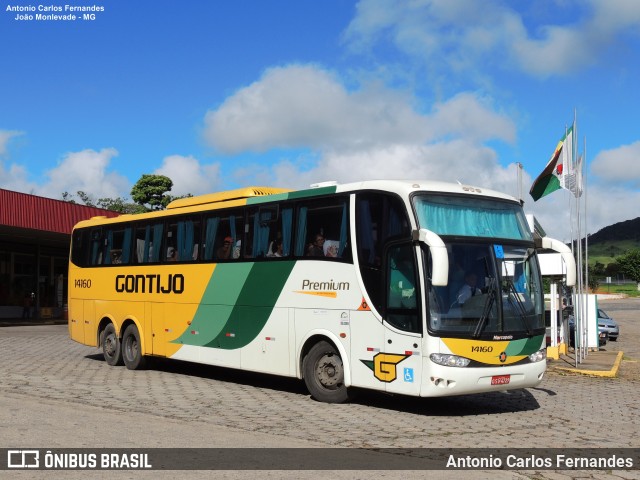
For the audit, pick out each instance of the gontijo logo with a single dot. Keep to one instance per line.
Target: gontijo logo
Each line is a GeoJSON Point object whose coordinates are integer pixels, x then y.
{"type": "Point", "coordinates": [151, 283]}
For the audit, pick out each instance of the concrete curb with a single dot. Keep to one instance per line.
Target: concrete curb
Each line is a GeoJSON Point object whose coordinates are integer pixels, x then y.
{"type": "Point", "coordinates": [612, 373]}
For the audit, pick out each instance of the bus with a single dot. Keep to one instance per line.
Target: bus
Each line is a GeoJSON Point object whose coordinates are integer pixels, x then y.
{"type": "Point", "coordinates": [360, 285]}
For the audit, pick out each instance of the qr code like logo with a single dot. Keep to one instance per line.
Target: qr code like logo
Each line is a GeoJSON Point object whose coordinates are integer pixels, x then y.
{"type": "Point", "coordinates": [23, 459]}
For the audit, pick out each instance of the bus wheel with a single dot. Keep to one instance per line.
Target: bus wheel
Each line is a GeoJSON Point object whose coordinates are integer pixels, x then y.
{"type": "Point", "coordinates": [111, 346]}
{"type": "Point", "coordinates": [132, 348]}
{"type": "Point", "coordinates": [324, 374]}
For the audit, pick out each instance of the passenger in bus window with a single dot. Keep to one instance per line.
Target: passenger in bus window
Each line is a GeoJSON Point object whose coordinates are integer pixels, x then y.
{"type": "Point", "coordinates": [172, 255]}
{"type": "Point", "coordinates": [273, 246]}
{"type": "Point", "coordinates": [224, 252]}
{"type": "Point", "coordinates": [276, 248]}
{"type": "Point", "coordinates": [331, 248]}
{"type": "Point", "coordinates": [235, 253]}
{"type": "Point", "coordinates": [315, 248]}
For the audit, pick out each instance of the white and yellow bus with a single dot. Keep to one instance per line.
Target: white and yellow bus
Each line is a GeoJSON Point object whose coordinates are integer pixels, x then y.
{"type": "Point", "coordinates": [358, 285]}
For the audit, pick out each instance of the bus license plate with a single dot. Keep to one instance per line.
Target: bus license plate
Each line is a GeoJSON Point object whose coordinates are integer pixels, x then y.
{"type": "Point", "coordinates": [500, 379]}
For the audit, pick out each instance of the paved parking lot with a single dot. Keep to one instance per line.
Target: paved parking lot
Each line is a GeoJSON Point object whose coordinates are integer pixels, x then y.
{"type": "Point", "coordinates": [186, 405]}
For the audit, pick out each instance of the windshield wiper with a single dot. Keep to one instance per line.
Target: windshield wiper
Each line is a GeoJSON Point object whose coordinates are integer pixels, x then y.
{"type": "Point", "coordinates": [521, 310]}
{"type": "Point", "coordinates": [486, 310]}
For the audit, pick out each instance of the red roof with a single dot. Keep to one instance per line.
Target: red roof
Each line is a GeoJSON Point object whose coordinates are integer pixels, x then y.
{"type": "Point", "coordinates": [39, 213]}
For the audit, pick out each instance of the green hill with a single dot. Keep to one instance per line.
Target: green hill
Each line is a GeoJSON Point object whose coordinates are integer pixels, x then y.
{"type": "Point", "coordinates": [613, 241]}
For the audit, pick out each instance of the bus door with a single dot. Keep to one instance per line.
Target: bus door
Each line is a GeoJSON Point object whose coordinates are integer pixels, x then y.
{"type": "Point", "coordinates": [401, 365]}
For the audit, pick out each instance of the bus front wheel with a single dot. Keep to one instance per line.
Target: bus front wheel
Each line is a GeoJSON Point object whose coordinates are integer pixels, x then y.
{"type": "Point", "coordinates": [324, 374]}
{"type": "Point", "coordinates": [111, 346]}
{"type": "Point", "coordinates": [132, 348]}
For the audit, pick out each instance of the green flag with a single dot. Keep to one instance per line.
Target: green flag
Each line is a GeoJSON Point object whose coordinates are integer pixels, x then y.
{"type": "Point", "coordinates": [552, 177]}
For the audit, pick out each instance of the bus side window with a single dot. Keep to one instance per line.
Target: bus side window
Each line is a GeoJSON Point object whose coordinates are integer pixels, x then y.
{"type": "Point", "coordinates": [222, 237]}
{"type": "Point", "coordinates": [261, 231]}
{"type": "Point", "coordinates": [402, 293]}
{"type": "Point", "coordinates": [210, 230]}
{"type": "Point", "coordinates": [97, 247]}
{"type": "Point", "coordinates": [322, 228]}
{"type": "Point", "coordinates": [147, 243]}
{"type": "Point", "coordinates": [182, 240]}
{"type": "Point", "coordinates": [117, 246]}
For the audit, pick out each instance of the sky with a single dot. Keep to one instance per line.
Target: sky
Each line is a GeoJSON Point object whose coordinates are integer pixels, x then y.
{"type": "Point", "coordinates": [225, 94]}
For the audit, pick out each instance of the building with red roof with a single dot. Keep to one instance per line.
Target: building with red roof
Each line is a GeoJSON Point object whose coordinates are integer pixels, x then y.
{"type": "Point", "coordinates": [35, 235]}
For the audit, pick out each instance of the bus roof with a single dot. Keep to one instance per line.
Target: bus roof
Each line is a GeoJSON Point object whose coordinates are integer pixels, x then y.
{"type": "Point", "coordinates": [217, 197]}
{"type": "Point", "coordinates": [258, 195]}
{"type": "Point", "coordinates": [406, 187]}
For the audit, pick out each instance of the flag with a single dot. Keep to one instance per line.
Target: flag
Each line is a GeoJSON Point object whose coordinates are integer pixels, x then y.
{"type": "Point", "coordinates": [573, 181]}
{"type": "Point", "coordinates": [554, 175]}
{"type": "Point", "coordinates": [568, 167]}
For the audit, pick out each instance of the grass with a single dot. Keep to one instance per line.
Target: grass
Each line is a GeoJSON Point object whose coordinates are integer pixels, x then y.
{"type": "Point", "coordinates": [629, 289]}
{"type": "Point", "coordinates": [606, 252]}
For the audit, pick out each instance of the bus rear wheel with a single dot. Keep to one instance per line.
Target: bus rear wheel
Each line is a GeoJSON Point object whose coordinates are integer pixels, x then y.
{"type": "Point", "coordinates": [323, 373]}
{"type": "Point", "coordinates": [111, 345]}
{"type": "Point", "coordinates": [132, 348]}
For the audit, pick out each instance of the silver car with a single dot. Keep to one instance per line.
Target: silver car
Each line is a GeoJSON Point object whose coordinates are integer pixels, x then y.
{"type": "Point", "coordinates": [608, 324]}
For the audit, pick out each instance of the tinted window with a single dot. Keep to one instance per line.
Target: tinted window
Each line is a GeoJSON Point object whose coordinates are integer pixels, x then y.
{"type": "Point", "coordinates": [380, 218]}
{"type": "Point", "coordinates": [322, 230]}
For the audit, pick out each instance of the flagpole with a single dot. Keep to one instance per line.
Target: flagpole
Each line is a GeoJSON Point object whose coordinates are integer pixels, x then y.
{"type": "Point", "coordinates": [519, 176]}
{"type": "Point", "coordinates": [584, 289]}
{"type": "Point", "coordinates": [586, 242]}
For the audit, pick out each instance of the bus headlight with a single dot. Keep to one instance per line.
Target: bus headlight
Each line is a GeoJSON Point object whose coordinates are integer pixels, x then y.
{"type": "Point", "coordinates": [449, 360]}
{"type": "Point", "coordinates": [538, 356]}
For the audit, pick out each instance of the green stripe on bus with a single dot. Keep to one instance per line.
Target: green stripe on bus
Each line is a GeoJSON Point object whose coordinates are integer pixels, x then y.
{"type": "Point", "coordinates": [278, 197]}
{"type": "Point", "coordinates": [216, 305]}
{"type": "Point", "coordinates": [255, 303]}
{"type": "Point", "coordinates": [313, 192]}
{"type": "Point", "coordinates": [525, 346]}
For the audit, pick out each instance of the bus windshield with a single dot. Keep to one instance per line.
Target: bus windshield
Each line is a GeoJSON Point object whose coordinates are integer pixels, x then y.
{"type": "Point", "coordinates": [493, 290]}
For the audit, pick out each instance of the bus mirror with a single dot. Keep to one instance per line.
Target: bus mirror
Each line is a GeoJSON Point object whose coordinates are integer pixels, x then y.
{"type": "Point", "coordinates": [567, 256]}
{"type": "Point", "coordinates": [439, 256]}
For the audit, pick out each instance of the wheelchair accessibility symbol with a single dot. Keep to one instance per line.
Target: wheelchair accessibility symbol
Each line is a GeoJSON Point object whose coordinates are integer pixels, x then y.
{"type": "Point", "coordinates": [408, 375]}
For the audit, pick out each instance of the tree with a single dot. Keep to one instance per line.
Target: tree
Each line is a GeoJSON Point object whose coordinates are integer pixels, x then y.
{"type": "Point", "coordinates": [84, 198]}
{"type": "Point", "coordinates": [118, 204]}
{"type": "Point", "coordinates": [149, 193]}
{"type": "Point", "coordinates": [152, 190]}
{"type": "Point", "coordinates": [594, 272]}
{"type": "Point", "coordinates": [630, 265]}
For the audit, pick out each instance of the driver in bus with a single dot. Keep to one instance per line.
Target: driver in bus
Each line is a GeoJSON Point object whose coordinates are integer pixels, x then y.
{"type": "Point", "coordinates": [469, 289]}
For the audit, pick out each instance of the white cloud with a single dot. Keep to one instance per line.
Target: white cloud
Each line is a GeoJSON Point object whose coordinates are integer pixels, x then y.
{"type": "Point", "coordinates": [13, 177]}
{"type": "Point", "coordinates": [305, 106]}
{"type": "Point", "coordinates": [189, 176]}
{"type": "Point", "coordinates": [620, 165]}
{"type": "Point", "coordinates": [466, 34]}
{"type": "Point", "coordinates": [16, 178]}
{"type": "Point", "coordinates": [5, 137]}
{"type": "Point", "coordinates": [369, 133]}
{"type": "Point", "coordinates": [468, 116]}
{"type": "Point", "coordinates": [87, 171]}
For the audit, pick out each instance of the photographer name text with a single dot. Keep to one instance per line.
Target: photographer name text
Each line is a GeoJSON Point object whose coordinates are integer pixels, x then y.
{"type": "Point", "coordinates": [54, 13]}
